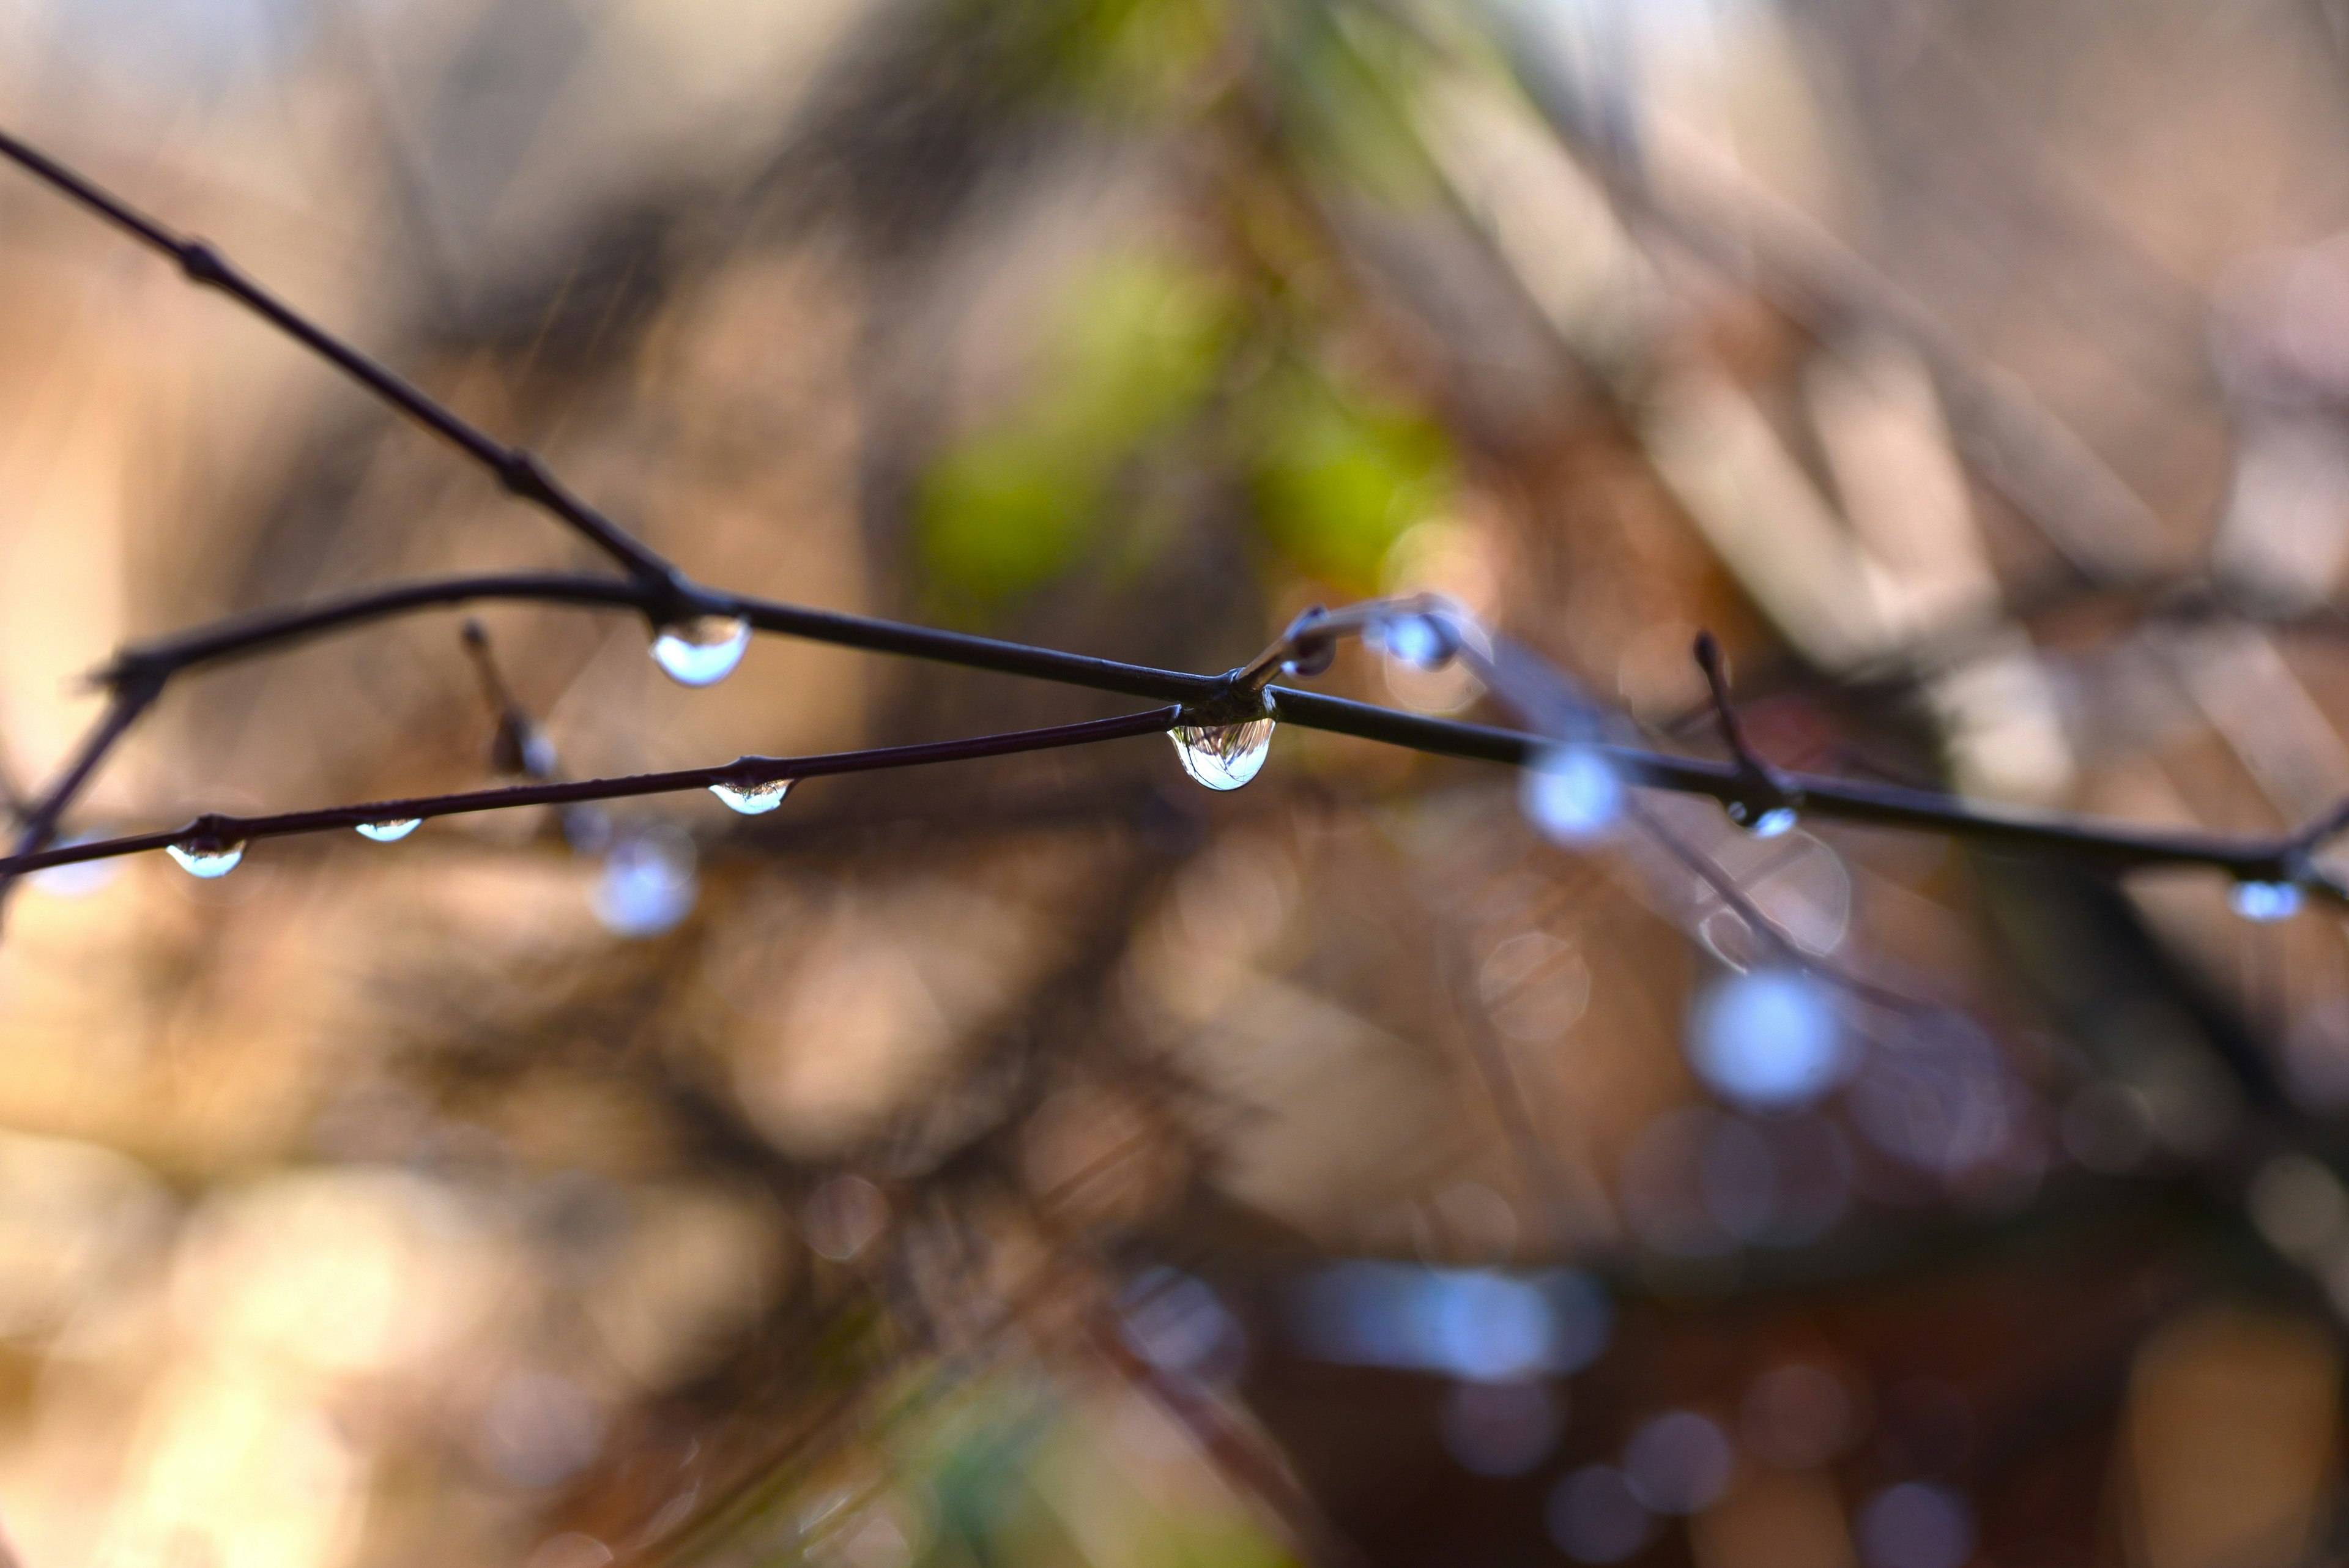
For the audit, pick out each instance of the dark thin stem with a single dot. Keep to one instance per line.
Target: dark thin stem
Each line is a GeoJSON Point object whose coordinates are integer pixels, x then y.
{"type": "Point", "coordinates": [217, 831]}
{"type": "Point", "coordinates": [515, 469]}
{"type": "Point", "coordinates": [1766, 789]}
{"type": "Point", "coordinates": [1724, 713]}
{"type": "Point", "coordinates": [40, 821]}
{"type": "Point", "coordinates": [251, 634]}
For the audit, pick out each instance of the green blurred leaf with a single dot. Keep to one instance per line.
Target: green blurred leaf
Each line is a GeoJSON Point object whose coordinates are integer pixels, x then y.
{"type": "Point", "coordinates": [1019, 502]}
{"type": "Point", "coordinates": [1337, 481]}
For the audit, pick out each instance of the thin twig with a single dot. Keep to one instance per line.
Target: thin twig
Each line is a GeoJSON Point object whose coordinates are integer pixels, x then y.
{"type": "Point", "coordinates": [213, 830]}
{"type": "Point", "coordinates": [1766, 789]}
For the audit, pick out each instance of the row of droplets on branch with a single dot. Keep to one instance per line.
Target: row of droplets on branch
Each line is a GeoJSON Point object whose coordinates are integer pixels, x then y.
{"type": "Point", "coordinates": [1573, 788]}
{"type": "Point", "coordinates": [1576, 760]}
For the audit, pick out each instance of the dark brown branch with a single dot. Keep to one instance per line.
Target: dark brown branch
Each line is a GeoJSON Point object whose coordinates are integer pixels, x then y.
{"type": "Point", "coordinates": [245, 635]}
{"type": "Point", "coordinates": [213, 830]}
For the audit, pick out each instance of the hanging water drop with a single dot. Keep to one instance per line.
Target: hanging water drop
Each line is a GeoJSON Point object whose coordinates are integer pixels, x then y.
{"type": "Point", "coordinates": [1771, 822]}
{"type": "Point", "coordinates": [1420, 641]}
{"type": "Point", "coordinates": [206, 859]}
{"type": "Point", "coordinates": [1572, 793]}
{"type": "Point", "coordinates": [1223, 756]}
{"type": "Point", "coordinates": [702, 651]}
{"type": "Point", "coordinates": [2266, 900]}
{"type": "Point", "coordinates": [753, 800]}
{"type": "Point", "coordinates": [390, 831]}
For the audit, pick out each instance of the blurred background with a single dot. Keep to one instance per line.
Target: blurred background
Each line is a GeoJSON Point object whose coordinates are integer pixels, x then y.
{"type": "Point", "coordinates": [1048, 1161]}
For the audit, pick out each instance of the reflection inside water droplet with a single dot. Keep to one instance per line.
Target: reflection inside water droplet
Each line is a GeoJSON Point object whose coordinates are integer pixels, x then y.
{"type": "Point", "coordinates": [2266, 900]}
{"type": "Point", "coordinates": [1223, 756]}
{"type": "Point", "coordinates": [206, 859]}
{"type": "Point", "coordinates": [753, 800]}
{"type": "Point", "coordinates": [702, 651]}
{"type": "Point", "coordinates": [391, 831]}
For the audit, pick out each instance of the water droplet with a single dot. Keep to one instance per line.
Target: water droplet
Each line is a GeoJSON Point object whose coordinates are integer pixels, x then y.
{"type": "Point", "coordinates": [1223, 756]}
{"type": "Point", "coordinates": [1419, 640]}
{"type": "Point", "coordinates": [753, 800]}
{"type": "Point", "coordinates": [1572, 793]}
{"type": "Point", "coordinates": [1770, 823]}
{"type": "Point", "coordinates": [702, 651]}
{"type": "Point", "coordinates": [647, 885]}
{"type": "Point", "coordinates": [2266, 900]}
{"type": "Point", "coordinates": [390, 832]}
{"type": "Point", "coordinates": [206, 859]}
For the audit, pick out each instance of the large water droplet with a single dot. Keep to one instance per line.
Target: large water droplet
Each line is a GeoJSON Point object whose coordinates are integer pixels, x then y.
{"type": "Point", "coordinates": [206, 859]}
{"type": "Point", "coordinates": [2266, 900]}
{"type": "Point", "coordinates": [702, 651]}
{"type": "Point", "coordinates": [1572, 793]}
{"type": "Point", "coordinates": [392, 831]}
{"type": "Point", "coordinates": [1223, 756]}
{"type": "Point", "coordinates": [647, 885]}
{"type": "Point", "coordinates": [753, 800]}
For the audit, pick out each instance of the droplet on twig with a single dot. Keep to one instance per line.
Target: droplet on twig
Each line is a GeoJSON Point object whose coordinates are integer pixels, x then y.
{"type": "Point", "coordinates": [753, 800]}
{"type": "Point", "coordinates": [1770, 822]}
{"type": "Point", "coordinates": [390, 831]}
{"type": "Point", "coordinates": [1422, 641]}
{"type": "Point", "coordinates": [702, 652]}
{"type": "Point", "coordinates": [1572, 793]}
{"type": "Point", "coordinates": [205, 859]}
{"type": "Point", "coordinates": [2266, 900]}
{"type": "Point", "coordinates": [1223, 756]}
